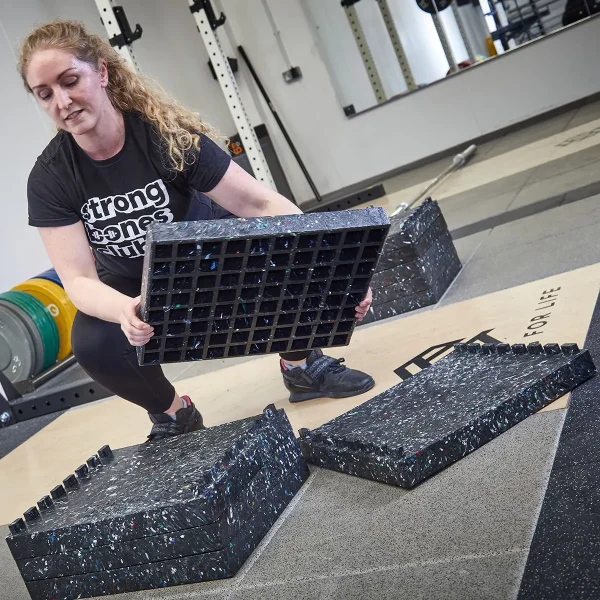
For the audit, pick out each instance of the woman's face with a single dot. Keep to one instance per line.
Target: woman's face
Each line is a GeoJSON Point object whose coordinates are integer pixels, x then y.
{"type": "Point", "coordinates": [69, 90]}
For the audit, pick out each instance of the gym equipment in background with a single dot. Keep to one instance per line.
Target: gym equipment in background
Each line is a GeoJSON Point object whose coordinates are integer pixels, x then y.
{"type": "Point", "coordinates": [54, 298]}
{"type": "Point", "coordinates": [207, 23]}
{"type": "Point", "coordinates": [228, 288]}
{"type": "Point", "coordinates": [435, 418]}
{"type": "Point", "coordinates": [46, 329]}
{"type": "Point", "coordinates": [38, 372]}
{"type": "Point", "coordinates": [113, 526]}
{"type": "Point", "coordinates": [120, 35]}
{"type": "Point", "coordinates": [50, 275]}
{"type": "Point", "coordinates": [459, 161]}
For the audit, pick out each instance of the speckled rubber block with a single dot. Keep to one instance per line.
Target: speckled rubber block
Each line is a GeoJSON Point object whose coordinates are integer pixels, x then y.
{"type": "Point", "coordinates": [408, 302]}
{"type": "Point", "coordinates": [168, 546]}
{"type": "Point", "coordinates": [407, 228]}
{"type": "Point", "coordinates": [409, 253]}
{"type": "Point", "coordinates": [189, 569]}
{"type": "Point", "coordinates": [118, 497]}
{"type": "Point", "coordinates": [434, 418]}
{"type": "Point", "coordinates": [420, 274]}
{"type": "Point", "coordinates": [236, 287]}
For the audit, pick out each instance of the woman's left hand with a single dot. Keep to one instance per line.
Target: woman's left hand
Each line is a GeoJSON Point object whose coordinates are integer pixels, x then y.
{"type": "Point", "coordinates": [363, 308]}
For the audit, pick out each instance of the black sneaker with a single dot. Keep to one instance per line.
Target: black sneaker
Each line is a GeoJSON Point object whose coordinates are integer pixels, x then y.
{"type": "Point", "coordinates": [187, 420]}
{"type": "Point", "coordinates": [324, 377]}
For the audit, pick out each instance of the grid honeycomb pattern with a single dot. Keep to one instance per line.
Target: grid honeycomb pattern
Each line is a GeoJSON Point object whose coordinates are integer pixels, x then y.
{"type": "Point", "coordinates": [257, 295]}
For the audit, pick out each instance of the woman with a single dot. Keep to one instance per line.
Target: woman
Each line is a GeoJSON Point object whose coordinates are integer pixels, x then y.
{"type": "Point", "coordinates": [126, 155]}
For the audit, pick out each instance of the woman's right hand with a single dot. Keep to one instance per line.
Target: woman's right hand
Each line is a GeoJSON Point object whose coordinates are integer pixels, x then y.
{"type": "Point", "coordinates": [137, 332]}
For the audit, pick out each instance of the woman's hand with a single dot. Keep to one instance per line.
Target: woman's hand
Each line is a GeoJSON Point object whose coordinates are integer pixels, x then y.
{"type": "Point", "coordinates": [137, 332]}
{"type": "Point", "coordinates": [363, 308]}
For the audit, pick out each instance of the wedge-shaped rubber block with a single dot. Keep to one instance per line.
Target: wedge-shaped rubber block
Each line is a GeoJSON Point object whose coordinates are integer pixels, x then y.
{"type": "Point", "coordinates": [422, 273]}
{"type": "Point", "coordinates": [138, 492]}
{"type": "Point", "coordinates": [235, 287]}
{"type": "Point", "coordinates": [393, 256]}
{"type": "Point", "coordinates": [408, 302]}
{"type": "Point", "coordinates": [194, 568]}
{"type": "Point", "coordinates": [171, 545]}
{"type": "Point", "coordinates": [434, 418]}
{"type": "Point", "coordinates": [407, 228]}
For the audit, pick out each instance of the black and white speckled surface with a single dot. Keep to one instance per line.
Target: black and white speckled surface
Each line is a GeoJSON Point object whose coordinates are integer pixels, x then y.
{"type": "Point", "coordinates": [446, 411]}
{"type": "Point", "coordinates": [563, 560]}
{"type": "Point", "coordinates": [426, 297]}
{"type": "Point", "coordinates": [188, 569]}
{"type": "Point", "coordinates": [393, 257]}
{"type": "Point", "coordinates": [429, 268]}
{"type": "Point", "coordinates": [200, 475]}
{"type": "Point", "coordinates": [407, 227]}
{"type": "Point", "coordinates": [171, 545]}
{"type": "Point", "coordinates": [238, 287]}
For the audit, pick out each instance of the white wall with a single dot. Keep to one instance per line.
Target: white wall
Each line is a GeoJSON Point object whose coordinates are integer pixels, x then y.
{"type": "Point", "coordinates": [25, 132]}
{"type": "Point", "coordinates": [171, 52]}
{"type": "Point", "coordinates": [338, 151]}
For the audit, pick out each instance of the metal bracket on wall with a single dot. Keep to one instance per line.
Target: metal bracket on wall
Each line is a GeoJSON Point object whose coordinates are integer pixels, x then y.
{"type": "Point", "coordinates": [463, 33]}
{"type": "Point", "coordinates": [119, 32]}
{"type": "Point", "coordinates": [206, 27]}
{"type": "Point", "coordinates": [365, 51]}
{"type": "Point", "coordinates": [397, 44]}
{"type": "Point", "coordinates": [445, 43]}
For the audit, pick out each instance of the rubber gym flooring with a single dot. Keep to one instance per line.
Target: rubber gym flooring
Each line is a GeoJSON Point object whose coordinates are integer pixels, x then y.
{"type": "Point", "coordinates": [525, 217]}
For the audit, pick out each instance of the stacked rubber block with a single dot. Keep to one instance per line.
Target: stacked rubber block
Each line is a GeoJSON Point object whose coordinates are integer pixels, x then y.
{"type": "Point", "coordinates": [36, 319]}
{"type": "Point", "coordinates": [185, 510]}
{"type": "Point", "coordinates": [434, 418]}
{"type": "Point", "coordinates": [417, 265]}
{"type": "Point", "coordinates": [237, 287]}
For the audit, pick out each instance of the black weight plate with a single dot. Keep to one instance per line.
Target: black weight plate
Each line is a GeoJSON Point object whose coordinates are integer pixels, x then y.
{"type": "Point", "coordinates": [429, 6]}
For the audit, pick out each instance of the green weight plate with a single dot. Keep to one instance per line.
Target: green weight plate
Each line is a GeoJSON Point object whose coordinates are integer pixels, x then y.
{"type": "Point", "coordinates": [38, 343]}
{"type": "Point", "coordinates": [16, 347]}
{"type": "Point", "coordinates": [43, 320]}
{"type": "Point", "coordinates": [49, 330]}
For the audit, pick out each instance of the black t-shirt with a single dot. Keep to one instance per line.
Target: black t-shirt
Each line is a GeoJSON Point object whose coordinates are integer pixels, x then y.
{"type": "Point", "coordinates": [118, 198]}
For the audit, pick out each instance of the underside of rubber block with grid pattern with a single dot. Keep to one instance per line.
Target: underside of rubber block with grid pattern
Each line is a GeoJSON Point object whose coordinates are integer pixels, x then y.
{"type": "Point", "coordinates": [236, 287]}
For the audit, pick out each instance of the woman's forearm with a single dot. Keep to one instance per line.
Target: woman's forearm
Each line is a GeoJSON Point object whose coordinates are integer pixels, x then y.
{"type": "Point", "coordinates": [275, 204]}
{"type": "Point", "coordinates": [96, 299]}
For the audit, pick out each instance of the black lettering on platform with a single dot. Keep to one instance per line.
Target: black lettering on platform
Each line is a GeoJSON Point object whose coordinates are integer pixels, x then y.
{"type": "Point", "coordinates": [538, 322]}
{"type": "Point", "coordinates": [426, 358]}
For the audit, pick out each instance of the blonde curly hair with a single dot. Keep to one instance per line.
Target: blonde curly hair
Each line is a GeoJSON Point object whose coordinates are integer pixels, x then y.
{"type": "Point", "coordinates": [127, 90]}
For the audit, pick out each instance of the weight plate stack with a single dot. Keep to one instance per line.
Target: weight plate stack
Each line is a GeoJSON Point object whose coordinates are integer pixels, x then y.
{"type": "Point", "coordinates": [38, 344]}
{"type": "Point", "coordinates": [50, 275]}
{"type": "Point", "coordinates": [17, 349]}
{"type": "Point", "coordinates": [43, 320]}
{"type": "Point", "coordinates": [55, 299]}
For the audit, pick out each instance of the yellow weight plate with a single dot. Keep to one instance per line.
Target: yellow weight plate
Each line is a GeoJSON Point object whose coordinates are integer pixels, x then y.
{"type": "Point", "coordinates": [54, 298]}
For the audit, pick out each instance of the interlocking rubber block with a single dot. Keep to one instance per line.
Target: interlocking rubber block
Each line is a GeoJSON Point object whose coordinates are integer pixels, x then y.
{"type": "Point", "coordinates": [235, 287]}
{"type": "Point", "coordinates": [418, 275]}
{"type": "Point", "coordinates": [393, 256]}
{"type": "Point", "coordinates": [127, 518]}
{"type": "Point", "coordinates": [188, 569]}
{"type": "Point", "coordinates": [408, 302]}
{"type": "Point", "coordinates": [406, 228]}
{"type": "Point", "coordinates": [446, 411]}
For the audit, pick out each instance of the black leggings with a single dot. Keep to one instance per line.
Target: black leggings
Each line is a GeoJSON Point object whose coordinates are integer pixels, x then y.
{"type": "Point", "coordinates": [104, 353]}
